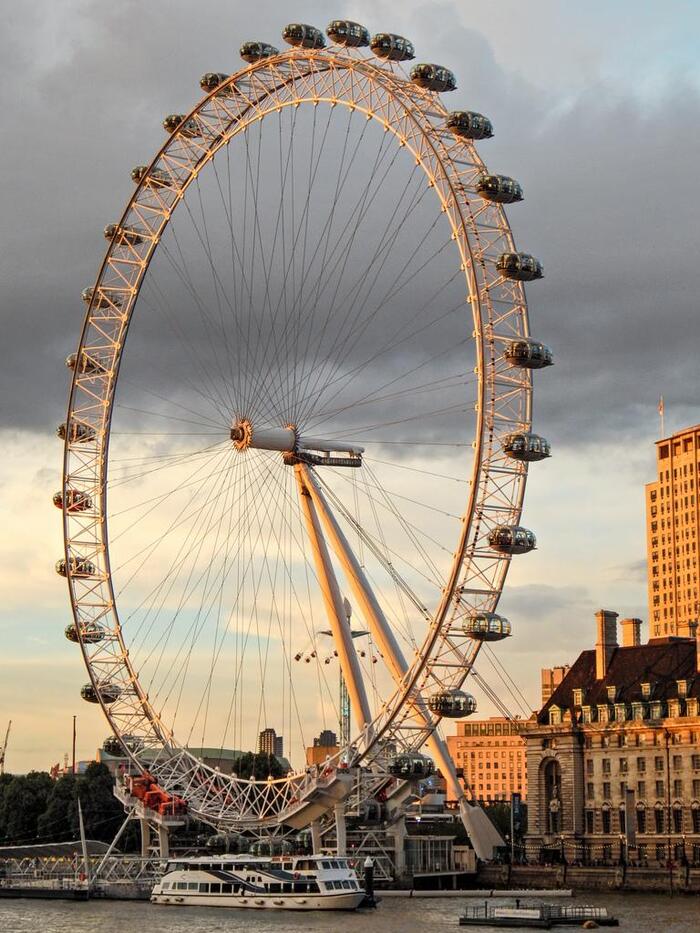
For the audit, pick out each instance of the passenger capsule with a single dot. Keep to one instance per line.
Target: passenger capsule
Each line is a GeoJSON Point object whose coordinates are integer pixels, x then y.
{"type": "Point", "coordinates": [257, 51]}
{"type": "Point", "coordinates": [125, 234]}
{"type": "Point", "coordinates": [102, 300]}
{"type": "Point", "coordinates": [77, 567]}
{"type": "Point", "coordinates": [469, 125]}
{"type": "Point", "coordinates": [345, 32]}
{"type": "Point", "coordinates": [487, 626]}
{"type": "Point", "coordinates": [528, 354]}
{"type": "Point", "coordinates": [522, 267]}
{"type": "Point", "coordinates": [79, 433]}
{"type": "Point", "coordinates": [411, 766]}
{"type": "Point", "coordinates": [177, 123]}
{"type": "Point", "coordinates": [452, 704]}
{"type": "Point", "coordinates": [303, 36]}
{"type": "Point", "coordinates": [106, 692]}
{"type": "Point", "coordinates": [90, 633]}
{"type": "Point", "coordinates": [499, 188]}
{"type": "Point", "coordinates": [113, 747]}
{"type": "Point", "coordinates": [526, 447]}
{"type": "Point", "coordinates": [75, 501]}
{"type": "Point", "coordinates": [433, 78]}
{"type": "Point", "coordinates": [392, 47]}
{"type": "Point", "coordinates": [212, 79]}
{"type": "Point", "coordinates": [512, 539]}
{"type": "Point", "coordinates": [157, 178]}
{"type": "Point", "coordinates": [88, 365]}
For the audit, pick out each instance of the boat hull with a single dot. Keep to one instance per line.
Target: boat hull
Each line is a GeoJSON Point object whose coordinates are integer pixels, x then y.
{"type": "Point", "coordinates": [344, 901]}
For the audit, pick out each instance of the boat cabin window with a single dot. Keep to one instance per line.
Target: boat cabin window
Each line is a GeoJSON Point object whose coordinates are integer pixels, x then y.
{"type": "Point", "coordinates": [215, 888]}
{"type": "Point", "coordinates": [203, 887]}
{"type": "Point", "coordinates": [192, 885]}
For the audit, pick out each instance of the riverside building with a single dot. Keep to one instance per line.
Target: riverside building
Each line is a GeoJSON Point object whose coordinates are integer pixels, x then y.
{"type": "Point", "coordinates": [490, 753]}
{"type": "Point", "coordinates": [673, 533]}
{"type": "Point", "coordinates": [613, 758]}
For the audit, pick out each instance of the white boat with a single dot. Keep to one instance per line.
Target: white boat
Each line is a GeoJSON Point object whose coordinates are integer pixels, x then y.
{"type": "Point", "coordinates": [287, 882]}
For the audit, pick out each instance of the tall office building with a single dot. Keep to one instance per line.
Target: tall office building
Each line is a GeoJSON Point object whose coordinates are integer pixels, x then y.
{"type": "Point", "coordinates": [491, 755]}
{"type": "Point", "coordinates": [269, 743]}
{"type": "Point", "coordinates": [673, 526]}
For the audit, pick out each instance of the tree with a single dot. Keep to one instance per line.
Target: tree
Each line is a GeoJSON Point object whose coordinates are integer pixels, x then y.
{"type": "Point", "coordinates": [102, 812]}
{"type": "Point", "coordinates": [59, 821]}
{"type": "Point", "coordinates": [23, 801]}
{"type": "Point", "coordinates": [259, 766]}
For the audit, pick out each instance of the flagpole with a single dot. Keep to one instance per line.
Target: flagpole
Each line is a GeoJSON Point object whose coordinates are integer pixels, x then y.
{"type": "Point", "coordinates": [661, 415]}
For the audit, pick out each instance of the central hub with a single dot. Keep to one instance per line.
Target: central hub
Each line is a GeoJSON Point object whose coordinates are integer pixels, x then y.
{"type": "Point", "coordinates": [293, 446]}
{"type": "Point", "coordinates": [244, 436]}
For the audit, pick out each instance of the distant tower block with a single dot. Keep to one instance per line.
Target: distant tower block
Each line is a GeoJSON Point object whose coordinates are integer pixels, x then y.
{"type": "Point", "coordinates": [673, 520]}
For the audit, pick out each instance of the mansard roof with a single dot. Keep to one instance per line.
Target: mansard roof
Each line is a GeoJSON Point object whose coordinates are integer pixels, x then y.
{"type": "Point", "coordinates": [661, 662]}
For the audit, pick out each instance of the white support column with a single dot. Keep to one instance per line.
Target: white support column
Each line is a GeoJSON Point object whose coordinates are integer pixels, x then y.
{"type": "Point", "coordinates": [335, 610]}
{"type": "Point", "coordinates": [375, 618]}
{"type": "Point", "coordinates": [164, 841]}
{"type": "Point", "coordinates": [316, 837]}
{"type": "Point", "coordinates": [145, 837]}
{"type": "Point", "coordinates": [341, 848]}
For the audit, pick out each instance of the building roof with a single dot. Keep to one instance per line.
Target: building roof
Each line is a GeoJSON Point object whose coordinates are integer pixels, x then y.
{"type": "Point", "coordinates": [661, 663]}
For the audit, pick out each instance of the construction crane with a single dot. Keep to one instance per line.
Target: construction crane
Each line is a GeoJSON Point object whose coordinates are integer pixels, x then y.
{"type": "Point", "coordinates": [3, 748]}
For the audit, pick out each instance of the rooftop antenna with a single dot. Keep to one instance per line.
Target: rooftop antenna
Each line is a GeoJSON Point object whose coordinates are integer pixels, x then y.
{"type": "Point", "coordinates": [661, 415]}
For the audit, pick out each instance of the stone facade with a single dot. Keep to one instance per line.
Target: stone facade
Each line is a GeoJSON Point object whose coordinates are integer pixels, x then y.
{"type": "Point", "coordinates": [613, 757]}
{"type": "Point", "coordinates": [490, 754]}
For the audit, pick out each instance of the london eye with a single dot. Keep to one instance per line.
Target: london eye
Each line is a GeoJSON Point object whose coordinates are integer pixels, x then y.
{"type": "Point", "coordinates": [303, 384]}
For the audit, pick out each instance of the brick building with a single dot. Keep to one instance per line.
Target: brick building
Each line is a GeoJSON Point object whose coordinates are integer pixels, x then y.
{"type": "Point", "coordinates": [491, 755]}
{"type": "Point", "coordinates": [613, 758]}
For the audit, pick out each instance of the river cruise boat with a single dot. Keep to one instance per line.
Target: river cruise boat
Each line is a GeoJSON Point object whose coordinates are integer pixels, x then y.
{"type": "Point", "coordinates": [287, 882]}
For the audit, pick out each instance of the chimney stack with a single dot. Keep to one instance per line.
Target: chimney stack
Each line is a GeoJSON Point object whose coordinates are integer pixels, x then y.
{"type": "Point", "coordinates": [607, 641]}
{"type": "Point", "coordinates": [631, 632]}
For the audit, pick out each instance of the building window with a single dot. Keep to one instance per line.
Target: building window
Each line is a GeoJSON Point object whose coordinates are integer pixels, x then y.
{"type": "Point", "coordinates": [623, 766]}
{"type": "Point", "coordinates": [606, 766]}
{"type": "Point", "coordinates": [659, 820]}
{"type": "Point", "coordinates": [605, 813]}
{"type": "Point", "coordinates": [641, 820]}
{"type": "Point", "coordinates": [659, 788]}
{"type": "Point", "coordinates": [612, 693]}
{"type": "Point", "coordinates": [646, 690]}
{"type": "Point", "coordinates": [658, 762]}
{"type": "Point", "coordinates": [606, 790]}
{"type": "Point", "coordinates": [578, 696]}
{"type": "Point", "coordinates": [677, 762]}
{"type": "Point", "coordinates": [589, 766]}
{"type": "Point", "coordinates": [695, 813]}
{"type": "Point", "coordinates": [677, 819]}
{"type": "Point", "coordinates": [678, 788]}
{"type": "Point", "coordinates": [589, 821]}
{"type": "Point", "coordinates": [590, 791]}
{"type": "Point", "coordinates": [641, 764]}
{"type": "Point", "coordinates": [641, 788]}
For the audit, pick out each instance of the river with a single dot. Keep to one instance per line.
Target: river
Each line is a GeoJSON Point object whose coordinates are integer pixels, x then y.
{"type": "Point", "coordinates": [638, 913]}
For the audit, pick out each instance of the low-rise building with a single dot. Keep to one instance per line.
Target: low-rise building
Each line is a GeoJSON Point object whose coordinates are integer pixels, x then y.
{"type": "Point", "coordinates": [490, 754]}
{"type": "Point", "coordinates": [613, 757]}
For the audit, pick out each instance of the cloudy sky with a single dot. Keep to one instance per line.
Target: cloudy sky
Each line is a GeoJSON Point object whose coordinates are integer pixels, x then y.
{"type": "Point", "coordinates": [596, 108]}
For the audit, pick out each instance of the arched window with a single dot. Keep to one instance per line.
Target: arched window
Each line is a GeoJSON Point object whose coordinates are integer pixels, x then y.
{"type": "Point", "coordinates": [551, 773]}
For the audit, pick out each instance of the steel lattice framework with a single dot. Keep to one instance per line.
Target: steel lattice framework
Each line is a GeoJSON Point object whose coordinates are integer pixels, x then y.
{"type": "Point", "coordinates": [416, 119]}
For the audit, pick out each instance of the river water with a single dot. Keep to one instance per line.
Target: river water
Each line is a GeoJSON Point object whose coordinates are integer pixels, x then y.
{"type": "Point", "coordinates": [638, 913]}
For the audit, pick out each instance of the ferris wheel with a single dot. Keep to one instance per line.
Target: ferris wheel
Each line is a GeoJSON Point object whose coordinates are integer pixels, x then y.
{"type": "Point", "coordinates": [324, 406]}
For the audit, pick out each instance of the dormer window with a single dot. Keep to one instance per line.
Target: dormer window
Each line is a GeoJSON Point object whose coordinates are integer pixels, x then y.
{"type": "Point", "coordinates": [682, 688]}
{"type": "Point", "coordinates": [578, 696]}
{"type": "Point", "coordinates": [554, 716]}
{"type": "Point", "coordinates": [646, 690]}
{"type": "Point", "coordinates": [612, 693]}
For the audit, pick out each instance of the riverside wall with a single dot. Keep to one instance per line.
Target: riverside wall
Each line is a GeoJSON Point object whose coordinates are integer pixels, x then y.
{"type": "Point", "coordinates": [677, 879]}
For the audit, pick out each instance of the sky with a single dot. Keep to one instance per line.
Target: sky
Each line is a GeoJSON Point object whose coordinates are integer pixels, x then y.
{"type": "Point", "coordinates": [596, 108]}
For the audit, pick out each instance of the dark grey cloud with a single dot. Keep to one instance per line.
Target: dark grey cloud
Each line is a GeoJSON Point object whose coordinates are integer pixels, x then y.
{"type": "Point", "coordinates": [611, 203]}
